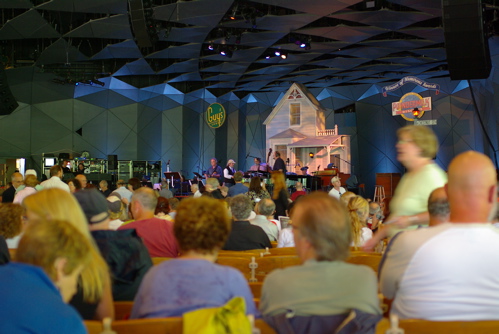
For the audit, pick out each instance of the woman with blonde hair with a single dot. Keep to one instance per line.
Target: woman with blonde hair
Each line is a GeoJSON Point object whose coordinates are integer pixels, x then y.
{"type": "Point", "coordinates": [93, 299]}
{"type": "Point", "coordinates": [358, 210]}
{"type": "Point", "coordinates": [280, 194]}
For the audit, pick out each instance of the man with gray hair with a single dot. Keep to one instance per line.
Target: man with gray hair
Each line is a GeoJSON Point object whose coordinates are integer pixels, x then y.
{"type": "Point", "coordinates": [211, 188]}
{"type": "Point", "coordinates": [156, 233]}
{"type": "Point", "coordinates": [264, 213]}
{"type": "Point", "coordinates": [9, 194]}
{"type": "Point", "coordinates": [243, 235]}
{"type": "Point", "coordinates": [325, 285]}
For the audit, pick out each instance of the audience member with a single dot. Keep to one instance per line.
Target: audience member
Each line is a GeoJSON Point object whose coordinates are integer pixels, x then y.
{"type": "Point", "coordinates": [49, 260]}
{"type": "Point", "coordinates": [55, 180]}
{"type": "Point", "coordinates": [163, 209]}
{"type": "Point", "coordinates": [9, 194]}
{"type": "Point", "coordinates": [224, 190]}
{"type": "Point", "coordinates": [83, 180]}
{"type": "Point", "coordinates": [243, 235]}
{"type": "Point", "coordinates": [286, 238]}
{"type": "Point", "coordinates": [375, 216]}
{"type": "Point", "coordinates": [104, 188]}
{"type": "Point", "coordinates": [124, 252]}
{"type": "Point", "coordinates": [438, 207]}
{"type": "Point", "coordinates": [165, 192]}
{"type": "Point", "coordinates": [11, 224]}
{"type": "Point", "coordinates": [74, 185]}
{"type": "Point", "coordinates": [325, 285]}
{"type": "Point", "coordinates": [174, 202]}
{"type": "Point", "coordinates": [239, 187]}
{"type": "Point", "coordinates": [177, 286]}
{"type": "Point", "coordinates": [358, 209]}
{"type": "Point", "coordinates": [30, 182]}
{"type": "Point", "coordinates": [156, 233]}
{"type": "Point", "coordinates": [195, 190]}
{"type": "Point", "coordinates": [212, 190]}
{"type": "Point", "coordinates": [337, 189]}
{"type": "Point", "coordinates": [126, 195]}
{"type": "Point", "coordinates": [116, 209]}
{"type": "Point", "coordinates": [280, 194]}
{"type": "Point", "coordinates": [448, 272]}
{"type": "Point", "coordinates": [264, 213]}
{"type": "Point", "coordinates": [256, 192]}
{"type": "Point", "coordinates": [299, 191]}
{"type": "Point", "coordinates": [93, 299]}
{"type": "Point", "coordinates": [134, 183]}
{"type": "Point", "coordinates": [345, 198]}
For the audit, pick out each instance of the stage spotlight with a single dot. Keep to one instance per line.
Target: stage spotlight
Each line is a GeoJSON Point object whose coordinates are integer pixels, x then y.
{"type": "Point", "coordinates": [267, 56]}
{"type": "Point", "coordinates": [211, 47]}
{"type": "Point", "coordinates": [415, 112]}
{"type": "Point", "coordinates": [277, 53]}
{"type": "Point", "coordinates": [311, 155]}
{"type": "Point", "coordinates": [284, 55]}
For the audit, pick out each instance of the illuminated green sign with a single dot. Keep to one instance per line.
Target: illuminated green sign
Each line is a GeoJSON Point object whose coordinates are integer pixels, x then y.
{"type": "Point", "coordinates": [215, 115]}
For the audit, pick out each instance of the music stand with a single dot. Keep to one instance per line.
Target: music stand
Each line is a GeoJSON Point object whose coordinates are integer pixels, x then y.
{"type": "Point", "coordinates": [172, 176]}
{"type": "Point", "coordinates": [199, 176]}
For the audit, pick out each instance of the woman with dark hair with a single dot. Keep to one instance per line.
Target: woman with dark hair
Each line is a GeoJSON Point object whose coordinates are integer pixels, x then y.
{"type": "Point", "coordinates": [256, 192]}
{"type": "Point", "coordinates": [174, 287]}
{"type": "Point", "coordinates": [163, 209]}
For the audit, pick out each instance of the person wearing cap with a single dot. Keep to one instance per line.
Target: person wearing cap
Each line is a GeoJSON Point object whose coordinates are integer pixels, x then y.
{"type": "Point", "coordinates": [116, 210]}
{"type": "Point", "coordinates": [337, 189]}
{"type": "Point", "coordinates": [123, 250]}
{"type": "Point", "coordinates": [229, 173]}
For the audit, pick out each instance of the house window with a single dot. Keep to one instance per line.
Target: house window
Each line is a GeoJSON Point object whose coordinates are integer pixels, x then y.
{"type": "Point", "coordinates": [294, 114]}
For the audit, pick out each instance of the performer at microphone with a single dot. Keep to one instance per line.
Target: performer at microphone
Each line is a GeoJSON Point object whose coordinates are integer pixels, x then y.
{"type": "Point", "coordinates": [259, 166]}
{"type": "Point", "coordinates": [279, 163]}
{"type": "Point", "coordinates": [214, 171]}
{"type": "Point", "coordinates": [229, 173]}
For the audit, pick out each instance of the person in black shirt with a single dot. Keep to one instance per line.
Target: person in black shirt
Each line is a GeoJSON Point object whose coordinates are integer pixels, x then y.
{"type": "Point", "coordinates": [279, 163]}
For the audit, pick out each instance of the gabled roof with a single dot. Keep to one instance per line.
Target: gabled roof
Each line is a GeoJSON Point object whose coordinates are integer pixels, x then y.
{"type": "Point", "coordinates": [296, 91]}
{"type": "Point", "coordinates": [316, 141]}
{"type": "Point", "coordinates": [289, 133]}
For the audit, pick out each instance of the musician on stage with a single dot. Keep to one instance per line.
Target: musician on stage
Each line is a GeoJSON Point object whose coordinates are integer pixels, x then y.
{"type": "Point", "coordinates": [259, 166]}
{"type": "Point", "coordinates": [229, 172]}
{"type": "Point", "coordinates": [279, 163]}
{"type": "Point", "coordinates": [214, 171]}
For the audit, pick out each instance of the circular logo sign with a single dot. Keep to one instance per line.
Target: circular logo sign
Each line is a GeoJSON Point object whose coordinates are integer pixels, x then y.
{"type": "Point", "coordinates": [215, 115]}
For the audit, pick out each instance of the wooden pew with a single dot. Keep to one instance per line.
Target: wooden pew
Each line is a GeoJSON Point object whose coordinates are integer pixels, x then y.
{"type": "Point", "coordinates": [122, 310]}
{"type": "Point", "coordinates": [155, 326]}
{"type": "Point", "coordinates": [417, 326]}
{"type": "Point", "coordinates": [369, 259]}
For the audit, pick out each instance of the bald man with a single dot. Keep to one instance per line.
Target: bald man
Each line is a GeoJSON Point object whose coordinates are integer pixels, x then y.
{"type": "Point", "coordinates": [83, 180]}
{"type": "Point", "coordinates": [450, 271]}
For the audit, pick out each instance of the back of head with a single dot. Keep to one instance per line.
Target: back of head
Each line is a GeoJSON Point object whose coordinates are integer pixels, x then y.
{"type": "Point", "coordinates": [212, 183]}
{"type": "Point", "coordinates": [30, 172]}
{"type": "Point", "coordinates": [174, 202]}
{"type": "Point", "coordinates": [115, 206]}
{"type": "Point", "coordinates": [423, 137]}
{"type": "Point", "coordinates": [120, 183]}
{"type": "Point", "coordinates": [471, 188]}
{"type": "Point", "coordinates": [48, 240]}
{"type": "Point", "coordinates": [358, 209]}
{"type": "Point", "coordinates": [438, 206]}
{"type": "Point", "coordinates": [255, 184]}
{"type": "Point", "coordinates": [278, 154]}
{"type": "Point", "coordinates": [30, 181]}
{"type": "Point", "coordinates": [238, 176]}
{"type": "Point", "coordinates": [58, 204]}
{"type": "Point", "coordinates": [194, 187]}
{"type": "Point", "coordinates": [163, 206]}
{"type": "Point", "coordinates": [266, 207]}
{"type": "Point", "coordinates": [10, 220]}
{"type": "Point", "coordinates": [201, 225]}
{"type": "Point", "coordinates": [94, 205]}
{"type": "Point", "coordinates": [324, 222]}
{"type": "Point", "coordinates": [374, 208]}
{"type": "Point", "coordinates": [240, 206]}
{"type": "Point", "coordinates": [55, 170]}
{"type": "Point", "coordinates": [279, 183]}
{"type": "Point", "coordinates": [345, 198]}
{"type": "Point", "coordinates": [135, 183]}
{"type": "Point", "coordinates": [146, 197]}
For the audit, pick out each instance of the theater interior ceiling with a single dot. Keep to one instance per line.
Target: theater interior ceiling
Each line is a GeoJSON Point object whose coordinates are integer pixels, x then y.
{"type": "Point", "coordinates": [322, 43]}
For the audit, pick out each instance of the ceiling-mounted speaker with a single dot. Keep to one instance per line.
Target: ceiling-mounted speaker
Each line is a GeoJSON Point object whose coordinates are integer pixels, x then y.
{"type": "Point", "coordinates": [466, 43]}
{"type": "Point", "coordinates": [139, 27]}
{"type": "Point", "coordinates": [7, 101]}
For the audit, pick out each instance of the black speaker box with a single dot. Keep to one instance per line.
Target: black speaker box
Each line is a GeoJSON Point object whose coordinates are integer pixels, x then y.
{"type": "Point", "coordinates": [7, 101]}
{"type": "Point", "coordinates": [112, 161]}
{"type": "Point", "coordinates": [466, 42]}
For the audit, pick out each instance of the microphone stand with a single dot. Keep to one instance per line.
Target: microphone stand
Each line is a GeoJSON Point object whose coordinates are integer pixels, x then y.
{"type": "Point", "coordinates": [348, 162]}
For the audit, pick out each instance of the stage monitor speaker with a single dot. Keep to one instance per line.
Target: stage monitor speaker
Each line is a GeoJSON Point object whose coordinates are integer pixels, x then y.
{"type": "Point", "coordinates": [137, 16]}
{"type": "Point", "coordinates": [112, 162]}
{"type": "Point", "coordinates": [466, 42]}
{"type": "Point", "coordinates": [7, 101]}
